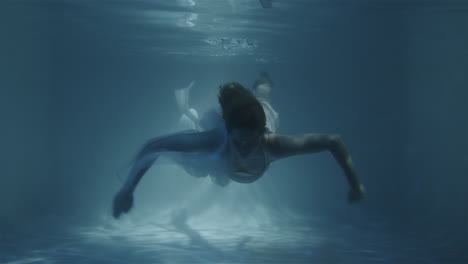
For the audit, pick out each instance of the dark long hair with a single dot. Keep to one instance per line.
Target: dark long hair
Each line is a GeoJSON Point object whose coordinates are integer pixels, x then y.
{"type": "Point", "coordinates": [240, 108]}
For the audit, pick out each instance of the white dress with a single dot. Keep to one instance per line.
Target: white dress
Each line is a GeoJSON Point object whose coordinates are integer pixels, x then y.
{"type": "Point", "coordinates": [225, 163]}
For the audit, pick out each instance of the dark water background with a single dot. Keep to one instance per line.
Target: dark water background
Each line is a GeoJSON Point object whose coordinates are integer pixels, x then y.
{"type": "Point", "coordinates": [84, 83]}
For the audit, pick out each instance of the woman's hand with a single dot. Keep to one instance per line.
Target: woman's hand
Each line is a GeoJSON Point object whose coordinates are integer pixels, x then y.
{"type": "Point", "coordinates": [123, 202]}
{"type": "Point", "coordinates": [356, 194]}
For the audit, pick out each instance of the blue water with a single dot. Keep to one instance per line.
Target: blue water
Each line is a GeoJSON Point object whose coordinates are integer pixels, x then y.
{"type": "Point", "coordinates": [85, 83]}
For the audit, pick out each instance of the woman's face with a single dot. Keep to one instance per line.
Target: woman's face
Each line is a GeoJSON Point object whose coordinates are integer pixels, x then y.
{"type": "Point", "coordinates": [245, 140]}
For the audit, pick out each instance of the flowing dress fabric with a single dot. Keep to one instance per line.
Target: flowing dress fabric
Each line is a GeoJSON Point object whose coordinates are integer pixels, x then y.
{"type": "Point", "coordinates": [200, 164]}
{"type": "Point", "coordinates": [272, 117]}
{"type": "Point", "coordinates": [220, 165]}
{"type": "Point", "coordinates": [225, 163]}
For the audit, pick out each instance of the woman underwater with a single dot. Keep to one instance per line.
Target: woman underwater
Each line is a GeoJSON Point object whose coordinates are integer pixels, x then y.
{"type": "Point", "coordinates": [236, 145]}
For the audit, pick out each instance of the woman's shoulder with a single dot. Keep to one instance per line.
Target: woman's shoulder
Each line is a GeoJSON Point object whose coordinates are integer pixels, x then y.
{"type": "Point", "coordinates": [272, 144]}
{"type": "Point", "coordinates": [268, 146]}
{"type": "Point", "coordinates": [268, 136]}
{"type": "Point", "coordinates": [268, 140]}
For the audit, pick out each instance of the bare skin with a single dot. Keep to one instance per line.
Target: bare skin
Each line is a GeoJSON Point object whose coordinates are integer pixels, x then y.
{"type": "Point", "coordinates": [283, 146]}
{"type": "Point", "coordinates": [245, 141]}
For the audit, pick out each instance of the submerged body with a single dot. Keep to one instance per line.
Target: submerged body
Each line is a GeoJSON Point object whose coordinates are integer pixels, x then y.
{"type": "Point", "coordinates": [225, 163]}
{"type": "Point", "coordinates": [238, 146]}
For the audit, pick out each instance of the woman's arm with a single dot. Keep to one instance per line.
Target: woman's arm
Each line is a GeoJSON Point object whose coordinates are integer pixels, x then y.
{"type": "Point", "coordinates": [282, 146]}
{"type": "Point", "coordinates": [206, 141]}
{"type": "Point", "coordinates": [179, 142]}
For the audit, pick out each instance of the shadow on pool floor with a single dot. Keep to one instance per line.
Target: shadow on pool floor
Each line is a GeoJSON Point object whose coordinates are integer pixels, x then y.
{"type": "Point", "coordinates": [178, 240]}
